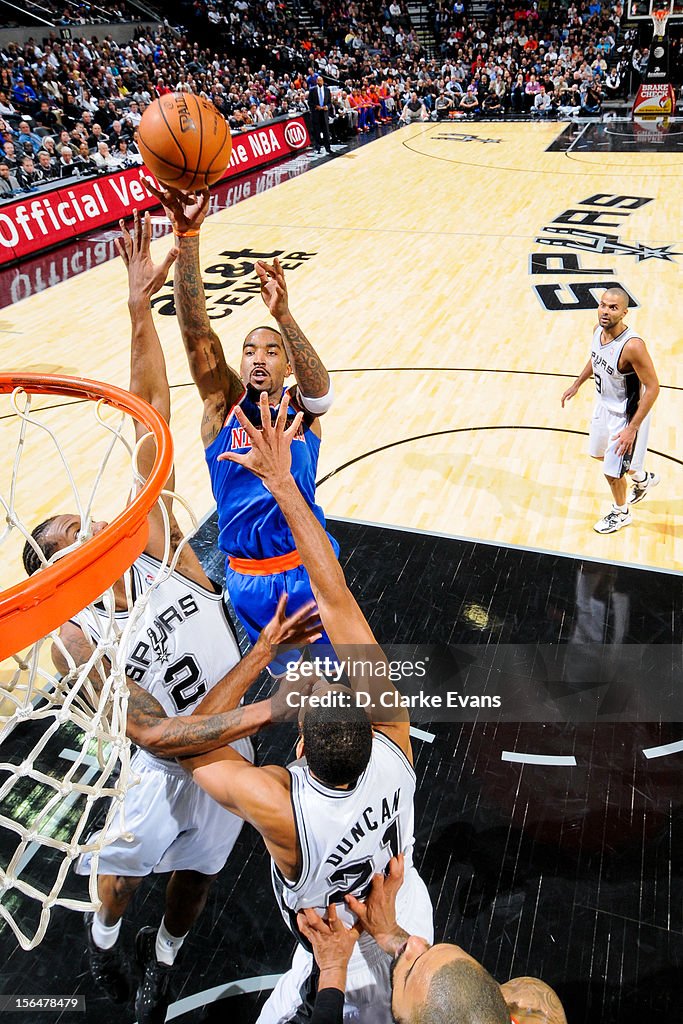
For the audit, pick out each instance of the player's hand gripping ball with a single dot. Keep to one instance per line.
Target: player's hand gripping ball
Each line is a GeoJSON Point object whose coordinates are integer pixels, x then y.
{"type": "Point", "coordinates": [184, 141]}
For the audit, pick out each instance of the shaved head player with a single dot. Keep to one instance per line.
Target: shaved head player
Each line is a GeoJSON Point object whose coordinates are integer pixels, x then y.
{"type": "Point", "coordinates": [626, 388]}
{"type": "Point", "coordinates": [440, 984]}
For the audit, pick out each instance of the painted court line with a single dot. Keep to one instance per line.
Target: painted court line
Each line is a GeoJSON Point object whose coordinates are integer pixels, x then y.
{"type": "Point", "coordinates": [667, 748]}
{"type": "Point", "coordinates": [559, 760]}
{"type": "Point", "coordinates": [420, 734]}
{"type": "Point", "coordinates": [230, 988]}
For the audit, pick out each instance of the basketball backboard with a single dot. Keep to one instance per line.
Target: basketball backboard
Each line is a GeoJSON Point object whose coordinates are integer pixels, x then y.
{"type": "Point", "coordinates": [642, 10]}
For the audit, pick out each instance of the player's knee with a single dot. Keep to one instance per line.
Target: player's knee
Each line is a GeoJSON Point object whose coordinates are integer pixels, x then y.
{"type": "Point", "coordinates": [125, 885]}
{"type": "Point", "coordinates": [194, 881]}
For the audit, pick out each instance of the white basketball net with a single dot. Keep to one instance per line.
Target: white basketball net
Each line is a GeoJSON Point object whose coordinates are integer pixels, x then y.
{"type": "Point", "coordinates": [63, 750]}
{"type": "Point", "coordinates": [659, 20]}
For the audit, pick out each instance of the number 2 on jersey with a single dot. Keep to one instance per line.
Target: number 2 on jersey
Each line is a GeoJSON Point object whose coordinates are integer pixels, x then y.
{"type": "Point", "coordinates": [184, 682]}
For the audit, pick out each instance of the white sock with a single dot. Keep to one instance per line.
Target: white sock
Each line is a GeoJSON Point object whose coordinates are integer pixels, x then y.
{"type": "Point", "coordinates": [640, 476]}
{"type": "Point", "coordinates": [104, 936]}
{"type": "Point", "coordinates": [622, 508]}
{"type": "Point", "coordinates": [167, 945]}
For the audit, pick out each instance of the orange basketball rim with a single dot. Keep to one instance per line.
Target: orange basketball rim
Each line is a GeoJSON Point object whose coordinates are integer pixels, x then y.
{"type": "Point", "coordinates": [30, 610]}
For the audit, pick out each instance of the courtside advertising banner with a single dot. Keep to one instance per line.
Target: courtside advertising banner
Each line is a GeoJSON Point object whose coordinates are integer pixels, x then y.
{"type": "Point", "coordinates": [41, 220]}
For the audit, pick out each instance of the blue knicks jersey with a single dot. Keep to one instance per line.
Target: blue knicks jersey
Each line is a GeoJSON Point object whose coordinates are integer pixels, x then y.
{"type": "Point", "coordinates": [250, 522]}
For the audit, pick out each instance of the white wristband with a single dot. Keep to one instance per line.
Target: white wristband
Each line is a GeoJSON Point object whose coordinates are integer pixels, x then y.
{"type": "Point", "coordinates": [317, 406]}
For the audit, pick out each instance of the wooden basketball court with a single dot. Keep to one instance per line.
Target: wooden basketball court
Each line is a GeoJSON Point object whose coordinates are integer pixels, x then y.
{"type": "Point", "coordinates": [415, 265]}
{"type": "Point", "coordinates": [449, 278]}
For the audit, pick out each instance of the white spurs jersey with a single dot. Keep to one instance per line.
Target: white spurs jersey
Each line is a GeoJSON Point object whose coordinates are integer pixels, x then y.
{"type": "Point", "coordinates": [618, 392]}
{"type": "Point", "coordinates": [185, 642]}
{"type": "Point", "coordinates": [348, 835]}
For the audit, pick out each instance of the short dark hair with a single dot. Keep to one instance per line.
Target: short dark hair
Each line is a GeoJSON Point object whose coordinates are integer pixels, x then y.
{"type": "Point", "coordinates": [337, 743]}
{"type": "Point", "coordinates": [30, 558]}
{"type": "Point", "coordinates": [262, 327]}
{"type": "Point", "coordinates": [462, 992]}
{"type": "Point", "coordinates": [621, 292]}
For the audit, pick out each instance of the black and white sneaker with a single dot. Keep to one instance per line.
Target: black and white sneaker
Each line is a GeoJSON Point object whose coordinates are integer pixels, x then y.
{"type": "Point", "coordinates": [641, 487]}
{"type": "Point", "coordinates": [109, 968]}
{"type": "Point", "coordinates": [613, 521]}
{"type": "Point", "coordinates": [154, 990]}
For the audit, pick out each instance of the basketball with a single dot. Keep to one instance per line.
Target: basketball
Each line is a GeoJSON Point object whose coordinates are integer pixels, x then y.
{"type": "Point", "coordinates": [184, 141]}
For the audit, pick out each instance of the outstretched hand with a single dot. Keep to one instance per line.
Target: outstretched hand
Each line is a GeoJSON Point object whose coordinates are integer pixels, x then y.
{"type": "Point", "coordinates": [145, 278]}
{"type": "Point", "coordinates": [273, 287]}
{"type": "Point", "coordinates": [186, 210]}
{"type": "Point", "coordinates": [270, 456]}
{"type": "Point", "coordinates": [301, 628]}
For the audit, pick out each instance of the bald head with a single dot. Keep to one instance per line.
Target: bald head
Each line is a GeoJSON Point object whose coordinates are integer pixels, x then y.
{"type": "Point", "coordinates": [462, 991]}
{"type": "Point", "coordinates": [443, 984]}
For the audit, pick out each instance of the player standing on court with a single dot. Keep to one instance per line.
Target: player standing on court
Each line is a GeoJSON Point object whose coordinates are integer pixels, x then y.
{"type": "Point", "coordinates": [626, 388]}
{"type": "Point", "coordinates": [263, 562]}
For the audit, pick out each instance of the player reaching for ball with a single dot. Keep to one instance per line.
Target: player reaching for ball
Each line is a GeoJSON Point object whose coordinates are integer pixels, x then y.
{"type": "Point", "coordinates": [262, 560]}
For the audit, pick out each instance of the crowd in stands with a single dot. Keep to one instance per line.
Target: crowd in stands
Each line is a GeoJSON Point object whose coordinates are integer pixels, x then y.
{"type": "Point", "coordinates": [76, 12]}
{"type": "Point", "coordinates": [73, 106]}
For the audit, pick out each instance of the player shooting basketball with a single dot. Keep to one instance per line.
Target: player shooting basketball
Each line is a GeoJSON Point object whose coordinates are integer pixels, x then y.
{"type": "Point", "coordinates": [331, 824]}
{"type": "Point", "coordinates": [184, 676]}
{"type": "Point", "coordinates": [262, 562]}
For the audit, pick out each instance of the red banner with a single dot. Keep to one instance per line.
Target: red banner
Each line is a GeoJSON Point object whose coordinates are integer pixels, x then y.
{"type": "Point", "coordinates": [41, 220]}
{"type": "Point", "coordinates": [654, 99]}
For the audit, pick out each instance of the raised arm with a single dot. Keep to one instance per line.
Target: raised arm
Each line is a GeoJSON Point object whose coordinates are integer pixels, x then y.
{"type": "Point", "coordinates": [270, 459]}
{"type": "Point", "coordinates": [148, 377]}
{"type": "Point", "coordinates": [217, 720]}
{"type": "Point", "coordinates": [313, 380]}
{"type": "Point", "coordinates": [218, 384]}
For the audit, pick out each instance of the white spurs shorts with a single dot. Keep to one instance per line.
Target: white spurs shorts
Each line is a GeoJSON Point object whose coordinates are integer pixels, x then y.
{"type": "Point", "coordinates": [604, 425]}
{"type": "Point", "coordinates": [367, 998]}
{"type": "Point", "coordinates": [175, 825]}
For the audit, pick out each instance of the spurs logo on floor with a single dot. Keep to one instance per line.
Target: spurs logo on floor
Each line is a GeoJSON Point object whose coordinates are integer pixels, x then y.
{"type": "Point", "coordinates": [589, 228]}
{"type": "Point", "coordinates": [461, 137]}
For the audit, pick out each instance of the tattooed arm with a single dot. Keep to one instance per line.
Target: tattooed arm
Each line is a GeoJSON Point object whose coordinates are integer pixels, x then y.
{"type": "Point", "coordinates": [531, 1001]}
{"type": "Point", "coordinates": [313, 380]}
{"type": "Point", "coordinates": [220, 387]}
{"type": "Point", "coordinates": [218, 384]}
{"type": "Point", "coordinates": [217, 720]}
{"type": "Point", "coordinates": [148, 726]}
{"type": "Point", "coordinates": [147, 723]}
